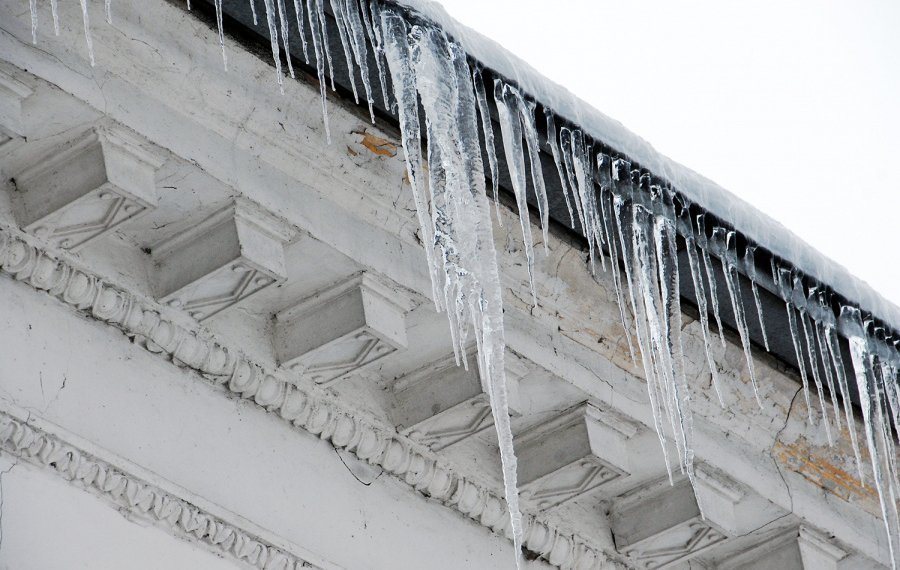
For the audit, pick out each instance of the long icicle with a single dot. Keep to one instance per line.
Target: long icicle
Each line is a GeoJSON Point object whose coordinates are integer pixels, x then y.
{"type": "Point", "coordinates": [87, 31]}
{"type": "Point", "coordinates": [553, 143]}
{"type": "Point", "coordinates": [317, 40]}
{"type": "Point", "coordinates": [357, 35]}
{"type": "Point", "coordinates": [487, 130]}
{"type": "Point", "coordinates": [750, 265]}
{"type": "Point", "coordinates": [703, 242]}
{"type": "Point", "coordinates": [285, 34]}
{"type": "Point", "coordinates": [783, 281]}
{"type": "Point", "coordinates": [298, 14]}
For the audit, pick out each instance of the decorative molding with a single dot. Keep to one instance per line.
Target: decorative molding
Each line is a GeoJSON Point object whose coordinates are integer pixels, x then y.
{"type": "Point", "coordinates": [343, 328]}
{"type": "Point", "coordinates": [86, 187]}
{"type": "Point", "coordinates": [138, 498]}
{"type": "Point", "coordinates": [310, 410]}
{"type": "Point", "coordinates": [236, 252]}
{"type": "Point", "coordinates": [13, 94]}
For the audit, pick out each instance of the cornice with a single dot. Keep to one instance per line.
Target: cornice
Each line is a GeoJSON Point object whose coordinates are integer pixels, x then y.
{"type": "Point", "coordinates": [190, 346]}
{"type": "Point", "coordinates": [137, 497]}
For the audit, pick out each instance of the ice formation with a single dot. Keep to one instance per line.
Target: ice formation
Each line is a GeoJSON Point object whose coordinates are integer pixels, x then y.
{"type": "Point", "coordinates": [633, 215]}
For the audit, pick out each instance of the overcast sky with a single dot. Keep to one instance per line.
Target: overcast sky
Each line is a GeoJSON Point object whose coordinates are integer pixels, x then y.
{"type": "Point", "coordinates": [793, 106]}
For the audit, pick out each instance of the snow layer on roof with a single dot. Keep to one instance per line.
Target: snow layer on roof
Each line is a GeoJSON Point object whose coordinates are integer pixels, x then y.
{"type": "Point", "coordinates": [753, 223]}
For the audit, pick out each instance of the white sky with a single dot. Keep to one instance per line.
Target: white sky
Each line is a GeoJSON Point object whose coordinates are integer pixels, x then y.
{"type": "Point", "coordinates": [793, 106]}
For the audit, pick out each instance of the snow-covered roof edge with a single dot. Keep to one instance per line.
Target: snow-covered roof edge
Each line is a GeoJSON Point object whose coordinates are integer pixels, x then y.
{"type": "Point", "coordinates": [753, 223]}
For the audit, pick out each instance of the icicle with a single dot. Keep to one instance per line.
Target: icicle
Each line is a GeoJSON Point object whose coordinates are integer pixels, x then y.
{"type": "Point", "coordinates": [317, 13]}
{"type": "Point", "coordinates": [54, 10]}
{"type": "Point", "coordinates": [750, 265]}
{"type": "Point", "coordinates": [253, 11]}
{"type": "Point", "coordinates": [557, 160]}
{"type": "Point", "coordinates": [488, 131]}
{"type": "Point", "coordinates": [317, 40]}
{"type": "Point", "coordinates": [822, 349]}
{"type": "Point", "coordinates": [670, 318]}
{"type": "Point", "coordinates": [511, 130]}
{"type": "Point", "coordinates": [587, 198]}
{"type": "Point", "coordinates": [218, 5]}
{"type": "Point", "coordinates": [702, 241]}
{"type": "Point", "coordinates": [87, 31]}
{"type": "Point", "coordinates": [298, 14]}
{"type": "Point", "coordinates": [403, 80]}
{"type": "Point", "coordinates": [566, 150]}
{"type": "Point", "coordinates": [273, 40]}
{"type": "Point", "coordinates": [606, 208]}
{"type": "Point", "coordinates": [374, 34]}
{"type": "Point", "coordinates": [32, 4]}
{"type": "Point", "coordinates": [814, 364]}
{"type": "Point", "coordinates": [732, 281]}
{"type": "Point", "coordinates": [343, 35]}
{"type": "Point", "coordinates": [357, 35]}
{"type": "Point", "coordinates": [700, 295]}
{"type": "Point", "coordinates": [526, 114]}
{"type": "Point", "coordinates": [868, 389]}
{"type": "Point", "coordinates": [285, 29]}
{"type": "Point", "coordinates": [834, 350]}
{"type": "Point", "coordinates": [109, 10]}
{"type": "Point", "coordinates": [783, 280]}
{"type": "Point", "coordinates": [460, 212]}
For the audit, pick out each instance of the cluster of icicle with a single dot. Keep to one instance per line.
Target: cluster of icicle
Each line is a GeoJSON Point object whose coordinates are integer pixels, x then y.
{"type": "Point", "coordinates": [624, 214]}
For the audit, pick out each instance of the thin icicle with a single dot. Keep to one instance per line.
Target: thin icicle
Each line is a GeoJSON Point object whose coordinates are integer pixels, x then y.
{"type": "Point", "coordinates": [566, 150]}
{"type": "Point", "coordinates": [273, 41]}
{"type": "Point", "coordinates": [253, 11]}
{"type": "Point", "coordinates": [700, 295]}
{"type": "Point", "coordinates": [511, 130]}
{"type": "Point", "coordinates": [32, 5]}
{"type": "Point", "coordinates": [109, 11]}
{"type": "Point", "coordinates": [218, 5]}
{"type": "Point", "coordinates": [357, 34]}
{"type": "Point", "coordinates": [606, 208]}
{"type": "Point", "coordinates": [298, 14]}
{"type": "Point", "coordinates": [822, 348]}
{"type": "Point", "coordinates": [367, 13]}
{"type": "Point", "coordinates": [784, 282]}
{"type": "Point", "coordinates": [87, 31]}
{"type": "Point", "coordinates": [814, 364]}
{"type": "Point", "coordinates": [403, 79]}
{"type": "Point", "coordinates": [834, 349]}
{"type": "Point", "coordinates": [315, 32]}
{"type": "Point", "coordinates": [317, 12]}
{"type": "Point", "coordinates": [54, 10]}
{"type": "Point", "coordinates": [557, 160]}
{"type": "Point", "coordinates": [586, 196]}
{"type": "Point", "coordinates": [750, 265]}
{"type": "Point", "coordinates": [285, 34]}
{"type": "Point", "coordinates": [732, 281]}
{"type": "Point", "coordinates": [526, 114]}
{"type": "Point", "coordinates": [703, 242]}
{"type": "Point", "coordinates": [487, 129]}
{"type": "Point", "coordinates": [340, 22]}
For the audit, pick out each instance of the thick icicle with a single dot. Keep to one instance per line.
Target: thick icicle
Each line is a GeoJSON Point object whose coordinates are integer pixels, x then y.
{"type": "Point", "coordinates": [87, 31]}
{"type": "Point", "coordinates": [285, 32]}
{"type": "Point", "coordinates": [732, 281]}
{"type": "Point", "coordinates": [511, 130]}
{"type": "Point", "coordinates": [557, 160]}
{"type": "Point", "coordinates": [703, 242]}
{"type": "Point", "coordinates": [700, 295]}
{"type": "Point", "coordinates": [340, 21]}
{"type": "Point", "coordinates": [218, 5]}
{"type": "Point", "coordinates": [356, 32]}
{"type": "Point", "coordinates": [315, 32]}
{"type": "Point", "coordinates": [396, 50]}
{"type": "Point", "coordinates": [784, 282]}
{"type": "Point", "coordinates": [460, 213]}
{"type": "Point", "coordinates": [487, 129]}
{"type": "Point", "coordinates": [750, 265]}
